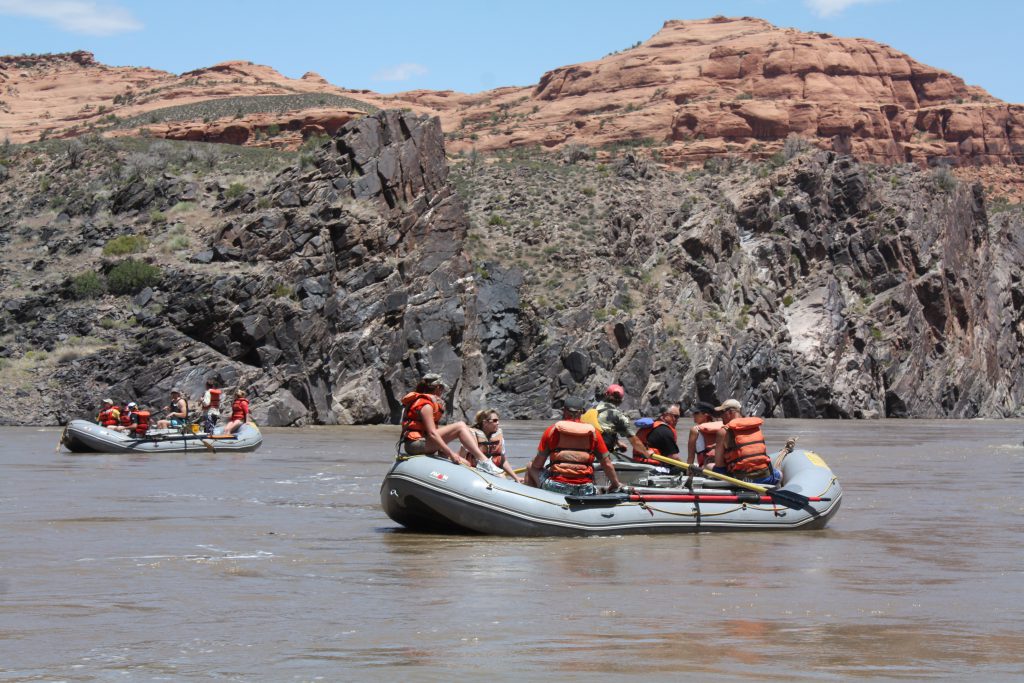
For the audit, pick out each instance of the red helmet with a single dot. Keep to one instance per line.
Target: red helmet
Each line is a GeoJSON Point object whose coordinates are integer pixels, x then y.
{"type": "Point", "coordinates": [615, 390]}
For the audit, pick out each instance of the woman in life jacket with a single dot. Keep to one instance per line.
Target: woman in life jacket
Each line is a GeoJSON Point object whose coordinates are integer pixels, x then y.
{"type": "Point", "coordinates": [239, 412]}
{"type": "Point", "coordinates": [109, 415]}
{"type": "Point", "coordinates": [491, 441]}
{"type": "Point", "coordinates": [422, 435]}
{"type": "Point", "coordinates": [570, 448]}
{"type": "Point", "coordinates": [740, 450]}
{"type": "Point", "coordinates": [700, 446]}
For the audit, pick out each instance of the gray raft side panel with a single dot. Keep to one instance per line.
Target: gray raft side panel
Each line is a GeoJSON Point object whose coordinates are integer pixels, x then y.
{"type": "Point", "coordinates": [430, 494]}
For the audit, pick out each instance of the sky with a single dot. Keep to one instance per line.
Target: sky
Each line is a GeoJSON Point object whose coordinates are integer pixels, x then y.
{"type": "Point", "coordinates": [476, 45]}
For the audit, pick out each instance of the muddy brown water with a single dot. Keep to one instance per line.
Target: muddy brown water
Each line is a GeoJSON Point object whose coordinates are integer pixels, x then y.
{"type": "Point", "coordinates": [280, 565]}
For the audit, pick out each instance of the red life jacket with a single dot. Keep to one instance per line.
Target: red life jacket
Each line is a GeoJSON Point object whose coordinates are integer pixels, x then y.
{"type": "Point", "coordinates": [214, 398]}
{"type": "Point", "coordinates": [240, 410]}
{"type": "Point", "coordinates": [142, 426]}
{"type": "Point", "coordinates": [109, 417]}
{"type": "Point", "coordinates": [126, 418]}
{"type": "Point", "coordinates": [745, 449]}
{"type": "Point", "coordinates": [412, 425]}
{"type": "Point", "coordinates": [644, 434]}
{"type": "Point", "coordinates": [572, 458]}
{"type": "Point", "coordinates": [710, 431]}
{"type": "Point", "coordinates": [493, 448]}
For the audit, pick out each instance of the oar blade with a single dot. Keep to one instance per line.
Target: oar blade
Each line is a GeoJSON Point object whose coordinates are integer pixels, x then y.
{"type": "Point", "coordinates": [790, 499]}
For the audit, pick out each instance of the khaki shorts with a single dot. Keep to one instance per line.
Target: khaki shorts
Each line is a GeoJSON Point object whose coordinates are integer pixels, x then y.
{"type": "Point", "coordinates": [419, 447]}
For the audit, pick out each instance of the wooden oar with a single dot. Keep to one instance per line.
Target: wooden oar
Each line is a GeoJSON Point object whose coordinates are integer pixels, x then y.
{"type": "Point", "coordinates": [787, 498]}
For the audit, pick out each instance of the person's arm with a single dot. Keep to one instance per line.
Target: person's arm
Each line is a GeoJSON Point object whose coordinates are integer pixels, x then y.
{"type": "Point", "coordinates": [609, 470]}
{"type": "Point", "coordinates": [720, 450]}
{"type": "Point", "coordinates": [507, 467]}
{"type": "Point", "coordinates": [535, 468]}
{"type": "Point", "coordinates": [638, 446]}
{"type": "Point", "coordinates": [691, 445]}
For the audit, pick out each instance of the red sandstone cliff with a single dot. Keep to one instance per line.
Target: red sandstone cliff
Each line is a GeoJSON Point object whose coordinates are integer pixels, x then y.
{"type": "Point", "coordinates": [696, 89]}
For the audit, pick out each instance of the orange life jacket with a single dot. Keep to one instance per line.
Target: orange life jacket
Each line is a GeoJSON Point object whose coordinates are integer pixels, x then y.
{"type": "Point", "coordinates": [240, 410]}
{"type": "Point", "coordinates": [644, 434]}
{"type": "Point", "coordinates": [572, 458]}
{"type": "Point", "coordinates": [126, 418]}
{"type": "Point", "coordinates": [109, 417]}
{"type": "Point", "coordinates": [493, 448]}
{"type": "Point", "coordinates": [142, 426]}
{"type": "Point", "coordinates": [745, 449]}
{"type": "Point", "coordinates": [710, 431]}
{"type": "Point", "coordinates": [413, 428]}
{"type": "Point", "coordinates": [214, 398]}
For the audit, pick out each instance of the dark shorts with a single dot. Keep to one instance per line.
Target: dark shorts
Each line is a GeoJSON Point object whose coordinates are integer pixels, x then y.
{"type": "Point", "coordinates": [419, 447]}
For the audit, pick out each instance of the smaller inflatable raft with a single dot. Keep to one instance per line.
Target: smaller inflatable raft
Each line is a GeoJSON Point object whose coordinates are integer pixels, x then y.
{"type": "Point", "coordinates": [83, 436]}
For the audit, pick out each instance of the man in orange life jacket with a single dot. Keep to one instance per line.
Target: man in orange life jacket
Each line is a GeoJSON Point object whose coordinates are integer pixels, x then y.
{"type": "Point", "coordinates": [571, 448]}
{"type": "Point", "coordinates": [740, 450]}
{"type": "Point", "coordinates": [422, 435]}
{"type": "Point", "coordinates": [700, 446]}
{"type": "Point", "coordinates": [109, 415]}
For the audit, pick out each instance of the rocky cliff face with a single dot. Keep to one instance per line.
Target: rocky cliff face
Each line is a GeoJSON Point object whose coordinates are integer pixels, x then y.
{"type": "Point", "coordinates": [813, 286]}
{"type": "Point", "coordinates": [821, 287]}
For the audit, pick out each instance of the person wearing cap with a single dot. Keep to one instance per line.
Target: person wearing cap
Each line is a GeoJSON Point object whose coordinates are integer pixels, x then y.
{"type": "Point", "coordinates": [700, 446]}
{"type": "Point", "coordinates": [109, 416]}
{"type": "Point", "coordinates": [613, 423]}
{"type": "Point", "coordinates": [570, 448]}
{"type": "Point", "coordinates": [177, 411]}
{"type": "Point", "coordinates": [740, 450]}
{"type": "Point", "coordinates": [422, 435]}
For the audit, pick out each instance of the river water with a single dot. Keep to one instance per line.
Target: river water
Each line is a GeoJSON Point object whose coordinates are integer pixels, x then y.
{"type": "Point", "coordinates": [280, 565]}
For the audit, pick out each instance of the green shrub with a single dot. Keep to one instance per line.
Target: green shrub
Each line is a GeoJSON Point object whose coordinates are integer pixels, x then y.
{"type": "Point", "coordinates": [87, 285]}
{"type": "Point", "coordinates": [131, 276]}
{"type": "Point", "coordinates": [235, 190]}
{"type": "Point", "coordinates": [178, 243]}
{"type": "Point", "coordinates": [495, 219]}
{"type": "Point", "coordinates": [125, 244]}
{"type": "Point", "coordinates": [157, 217]}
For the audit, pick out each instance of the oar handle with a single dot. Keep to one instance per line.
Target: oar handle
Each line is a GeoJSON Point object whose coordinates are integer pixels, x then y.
{"type": "Point", "coordinates": [711, 473]}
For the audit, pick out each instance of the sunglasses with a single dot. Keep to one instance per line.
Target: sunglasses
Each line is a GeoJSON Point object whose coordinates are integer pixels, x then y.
{"type": "Point", "coordinates": [493, 419]}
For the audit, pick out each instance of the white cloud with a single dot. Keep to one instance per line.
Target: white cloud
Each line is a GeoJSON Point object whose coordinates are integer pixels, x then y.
{"type": "Point", "coordinates": [830, 8]}
{"type": "Point", "coordinates": [75, 16]}
{"type": "Point", "coordinates": [400, 72]}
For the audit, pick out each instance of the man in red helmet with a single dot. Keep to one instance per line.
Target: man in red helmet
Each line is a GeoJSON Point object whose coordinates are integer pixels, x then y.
{"type": "Point", "coordinates": [613, 423]}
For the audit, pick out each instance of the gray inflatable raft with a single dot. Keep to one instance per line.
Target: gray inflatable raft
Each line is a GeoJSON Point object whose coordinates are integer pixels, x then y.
{"type": "Point", "coordinates": [429, 494]}
{"type": "Point", "coordinates": [83, 436]}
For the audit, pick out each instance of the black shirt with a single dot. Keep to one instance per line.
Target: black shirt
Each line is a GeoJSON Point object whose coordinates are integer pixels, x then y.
{"type": "Point", "coordinates": [662, 439]}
